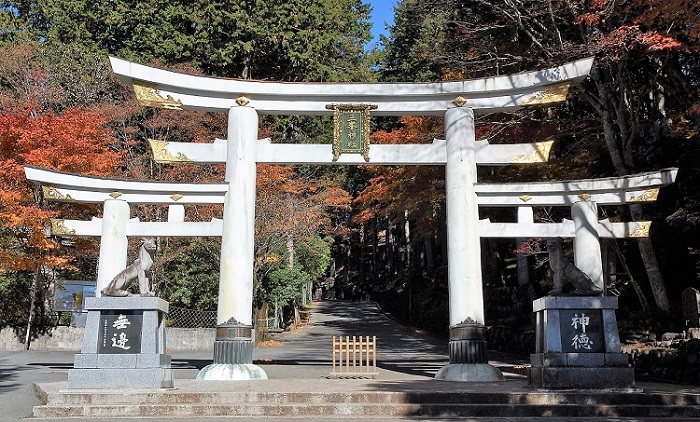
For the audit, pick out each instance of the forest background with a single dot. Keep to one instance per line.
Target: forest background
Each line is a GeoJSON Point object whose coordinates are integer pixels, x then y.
{"type": "Point", "coordinates": [379, 229]}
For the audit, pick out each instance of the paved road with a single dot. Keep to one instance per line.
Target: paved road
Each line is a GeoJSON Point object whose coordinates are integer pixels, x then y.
{"type": "Point", "coordinates": [402, 353]}
{"type": "Point", "coordinates": [304, 354]}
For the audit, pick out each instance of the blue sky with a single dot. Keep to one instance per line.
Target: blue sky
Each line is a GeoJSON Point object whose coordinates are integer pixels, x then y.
{"type": "Point", "coordinates": [382, 13]}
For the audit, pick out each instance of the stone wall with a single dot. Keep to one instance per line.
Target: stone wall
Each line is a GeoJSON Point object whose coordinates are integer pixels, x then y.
{"type": "Point", "coordinates": [190, 339]}
{"type": "Point", "coordinates": [71, 339]}
{"type": "Point", "coordinates": [57, 338]}
{"type": "Point", "coordinates": [679, 363]}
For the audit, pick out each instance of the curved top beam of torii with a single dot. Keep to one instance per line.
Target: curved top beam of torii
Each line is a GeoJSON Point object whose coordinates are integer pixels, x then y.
{"type": "Point", "coordinates": [166, 89]}
{"type": "Point", "coordinates": [71, 187]}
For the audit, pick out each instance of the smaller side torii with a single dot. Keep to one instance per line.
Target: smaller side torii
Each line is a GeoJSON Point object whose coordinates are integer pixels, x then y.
{"type": "Point", "coordinates": [116, 224]}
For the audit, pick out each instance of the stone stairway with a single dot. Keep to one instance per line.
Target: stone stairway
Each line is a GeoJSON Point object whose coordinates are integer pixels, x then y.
{"type": "Point", "coordinates": [359, 398]}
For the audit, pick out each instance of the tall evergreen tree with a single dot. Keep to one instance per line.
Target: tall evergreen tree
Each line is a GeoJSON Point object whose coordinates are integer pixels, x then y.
{"type": "Point", "coordinates": [286, 40]}
{"type": "Point", "coordinates": [414, 41]}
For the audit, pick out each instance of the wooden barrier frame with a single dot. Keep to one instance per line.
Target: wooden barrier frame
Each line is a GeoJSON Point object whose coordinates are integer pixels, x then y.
{"type": "Point", "coordinates": [345, 357]}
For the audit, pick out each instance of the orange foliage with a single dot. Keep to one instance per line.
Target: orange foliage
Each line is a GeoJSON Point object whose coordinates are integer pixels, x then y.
{"type": "Point", "coordinates": [413, 130]}
{"type": "Point", "coordinates": [289, 204]}
{"type": "Point", "coordinates": [75, 141]}
{"type": "Point", "coordinates": [589, 19]}
{"type": "Point", "coordinates": [393, 190]}
{"type": "Point", "coordinates": [624, 39]}
{"type": "Point", "coordinates": [656, 41]}
{"type": "Point", "coordinates": [644, 26]}
{"type": "Point", "coordinates": [676, 18]}
{"type": "Point", "coordinates": [599, 4]}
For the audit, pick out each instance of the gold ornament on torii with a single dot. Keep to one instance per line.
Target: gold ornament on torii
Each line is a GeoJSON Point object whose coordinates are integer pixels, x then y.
{"type": "Point", "coordinates": [149, 95]}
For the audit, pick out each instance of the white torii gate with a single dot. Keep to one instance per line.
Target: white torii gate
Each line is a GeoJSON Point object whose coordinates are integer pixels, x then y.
{"type": "Point", "coordinates": [460, 152]}
{"type": "Point", "coordinates": [457, 101]}
{"type": "Point", "coordinates": [116, 195]}
{"type": "Point", "coordinates": [582, 195]}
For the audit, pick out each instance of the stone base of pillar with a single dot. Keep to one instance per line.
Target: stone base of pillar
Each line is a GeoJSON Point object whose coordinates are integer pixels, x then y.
{"type": "Point", "coordinates": [468, 351]}
{"type": "Point", "coordinates": [468, 356]}
{"type": "Point", "coordinates": [599, 371]}
{"type": "Point", "coordinates": [231, 372]}
{"type": "Point", "coordinates": [233, 355]}
{"type": "Point", "coordinates": [469, 372]}
{"type": "Point", "coordinates": [233, 351]}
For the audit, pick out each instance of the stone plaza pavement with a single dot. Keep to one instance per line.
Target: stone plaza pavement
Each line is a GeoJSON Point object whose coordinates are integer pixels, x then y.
{"type": "Point", "coordinates": [407, 359]}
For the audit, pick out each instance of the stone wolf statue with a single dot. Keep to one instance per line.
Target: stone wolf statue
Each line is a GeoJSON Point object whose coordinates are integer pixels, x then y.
{"type": "Point", "coordinates": [564, 271]}
{"type": "Point", "coordinates": [137, 270]}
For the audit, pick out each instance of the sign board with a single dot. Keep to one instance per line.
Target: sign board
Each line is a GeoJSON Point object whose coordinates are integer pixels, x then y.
{"type": "Point", "coordinates": [120, 333]}
{"type": "Point", "coordinates": [70, 295]}
{"type": "Point", "coordinates": [351, 129]}
{"type": "Point", "coordinates": [581, 331]}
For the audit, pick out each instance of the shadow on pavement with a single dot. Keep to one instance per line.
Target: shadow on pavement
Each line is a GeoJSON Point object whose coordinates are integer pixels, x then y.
{"type": "Point", "coordinates": [9, 375]}
{"type": "Point", "coordinates": [418, 368]}
{"type": "Point", "coordinates": [53, 365]}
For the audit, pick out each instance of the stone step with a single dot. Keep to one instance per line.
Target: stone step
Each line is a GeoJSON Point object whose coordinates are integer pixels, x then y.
{"type": "Point", "coordinates": [364, 410]}
{"type": "Point", "coordinates": [165, 397]}
{"type": "Point", "coordinates": [321, 398]}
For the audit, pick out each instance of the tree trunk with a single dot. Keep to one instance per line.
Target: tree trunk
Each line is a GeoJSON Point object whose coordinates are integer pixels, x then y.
{"type": "Point", "coordinates": [407, 243]}
{"type": "Point", "coordinates": [389, 247]}
{"type": "Point", "coordinates": [656, 280]}
{"type": "Point", "coordinates": [637, 289]}
{"type": "Point", "coordinates": [32, 305]}
{"type": "Point", "coordinates": [363, 237]}
{"type": "Point", "coordinates": [617, 137]}
{"type": "Point", "coordinates": [290, 251]}
{"type": "Point", "coordinates": [375, 249]}
{"type": "Point", "coordinates": [428, 244]}
{"type": "Point", "coordinates": [407, 238]}
{"type": "Point", "coordinates": [522, 266]}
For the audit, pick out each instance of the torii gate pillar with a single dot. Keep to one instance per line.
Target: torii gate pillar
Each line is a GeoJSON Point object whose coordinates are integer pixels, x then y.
{"type": "Point", "coordinates": [587, 254]}
{"type": "Point", "coordinates": [468, 357]}
{"type": "Point", "coordinates": [233, 347]}
{"type": "Point", "coordinates": [113, 242]}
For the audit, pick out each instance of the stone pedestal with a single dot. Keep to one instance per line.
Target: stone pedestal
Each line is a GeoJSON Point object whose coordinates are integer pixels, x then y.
{"type": "Point", "coordinates": [578, 345]}
{"type": "Point", "coordinates": [124, 345]}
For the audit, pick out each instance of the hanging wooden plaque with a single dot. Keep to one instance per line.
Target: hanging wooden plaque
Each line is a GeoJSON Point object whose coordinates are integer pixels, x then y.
{"type": "Point", "coordinates": [351, 129]}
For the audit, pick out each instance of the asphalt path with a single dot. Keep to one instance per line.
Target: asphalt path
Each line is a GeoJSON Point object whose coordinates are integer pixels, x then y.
{"type": "Point", "coordinates": [402, 352]}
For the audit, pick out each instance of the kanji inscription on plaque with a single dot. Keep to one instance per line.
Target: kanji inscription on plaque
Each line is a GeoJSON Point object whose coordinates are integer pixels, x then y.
{"type": "Point", "coordinates": [581, 331]}
{"type": "Point", "coordinates": [351, 128]}
{"type": "Point", "coordinates": [120, 333]}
